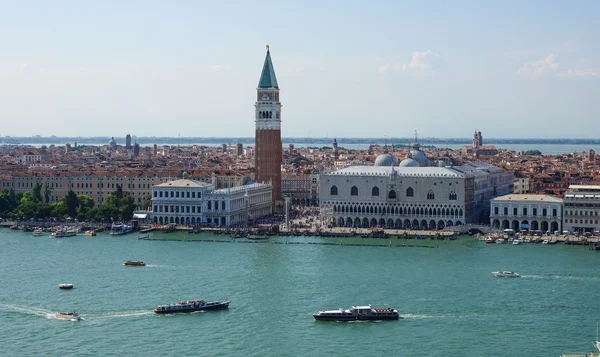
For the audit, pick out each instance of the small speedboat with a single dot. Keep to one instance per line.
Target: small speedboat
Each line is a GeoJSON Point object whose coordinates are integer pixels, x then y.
{"type": "Point", "coordinates": [134, 263]}
{"type": "Point", "coordinates": [545, 241]}
{"type": "Point", "coordinates": [505, 274]}
{"type": "Point", "coordinates": [37, 232]}
{"type": "Point", "coordinates": [71, 316]}
{"type": "Point", "coordinates": [91, 233]}
{"type": "Point", "coordinates": [65, 286]}
{"type": "Point", "coordinates": [500, 241]}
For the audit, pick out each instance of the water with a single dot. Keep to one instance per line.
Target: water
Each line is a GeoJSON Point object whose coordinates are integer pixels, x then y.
{"type": "Point", "coordinates": [451, 303]}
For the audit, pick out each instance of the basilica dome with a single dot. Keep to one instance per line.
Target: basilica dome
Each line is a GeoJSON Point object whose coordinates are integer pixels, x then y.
{"type": "Point", "coordinates": [418, 155]}
{"type": "Point", "coordinates": [112, 143]}
{"type": "Point", "coordinates": [409, 162]}
{"type": "Point", "coordinates": [386, 159]}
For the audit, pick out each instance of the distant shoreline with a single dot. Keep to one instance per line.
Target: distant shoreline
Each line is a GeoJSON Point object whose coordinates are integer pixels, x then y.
{"type": "Point", "coordinates": [101, 140]}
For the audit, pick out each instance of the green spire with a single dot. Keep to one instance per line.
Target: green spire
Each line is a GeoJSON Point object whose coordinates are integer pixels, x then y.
{"type": "Point", "coordinates": [267, 77]}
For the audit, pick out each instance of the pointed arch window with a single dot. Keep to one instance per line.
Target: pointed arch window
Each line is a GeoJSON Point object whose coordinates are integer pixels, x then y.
{"type": "Point", "coordinates": [430, 195]}
{"type": "Point", "coordinates": [453, 196]}
{"type": "Point", "coordinates": [354, 191]}
{"type": "Point", "coordinates": [375, 191]}
{"type": "Point", "coordinates": [392, 194]}
{"type": "Point", "coordinates": [410, 192]}
{"type": "Point", "coordinates": [333, 191]}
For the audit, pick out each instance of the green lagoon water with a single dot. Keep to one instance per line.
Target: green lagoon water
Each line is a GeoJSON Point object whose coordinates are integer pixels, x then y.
{"type": "Point", "coordinates": [452, 305]}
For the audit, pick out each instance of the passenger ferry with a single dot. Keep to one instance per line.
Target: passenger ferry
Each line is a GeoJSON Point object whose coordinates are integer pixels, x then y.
{"type": "Point", "coordinates": [118, 229]}
{"type": "Point", "coordinates": [134, 263]}
{"type": "Point", "coordinates": [37, 232]}
{"type": "Point", "coordinates": [63, 233]}
{"type": "Point", "coordinates": [191, 306]}
{"type": "Point", "coordinates": [358, 313]}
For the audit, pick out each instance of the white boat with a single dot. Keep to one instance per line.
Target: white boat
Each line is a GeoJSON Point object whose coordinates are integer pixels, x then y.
{"type": "Point", "coordinates": [71, 316]}
{"type": "Point", "coordinates": [65, 286]}
{"type": "Point", "coordinates": [37, 232]}
{"type": "Point", "coordinates": [118, 229]}
{"type": "Point", "coordinates": [545, 241]}
{"type": "Point", "coordinates": [517, 241]}
{"type": "Point", "coordinates": [500, 241]}
{"type": "Point", "coordinates": [61, 233]}
{"type": "Point", "coordinates": [505, 274]}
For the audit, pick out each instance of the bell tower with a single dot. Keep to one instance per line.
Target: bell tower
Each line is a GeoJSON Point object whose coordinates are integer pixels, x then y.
{"type": "Point", "coordinates": [268, 130]}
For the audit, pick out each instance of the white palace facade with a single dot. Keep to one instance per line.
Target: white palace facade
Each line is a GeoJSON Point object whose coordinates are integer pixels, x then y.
{"type": "Point", "coordinates": [399, 197]}
{"type": "Point", "coordinates": [198, 203]}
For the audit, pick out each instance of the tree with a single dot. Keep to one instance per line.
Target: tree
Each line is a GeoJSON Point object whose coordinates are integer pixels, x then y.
{"type": "Point", "coordinates": [71, 203]}
{"type": "Point", "coordinates": [47, 193]}
{"type": "Point", "coordinates": [37, 192]}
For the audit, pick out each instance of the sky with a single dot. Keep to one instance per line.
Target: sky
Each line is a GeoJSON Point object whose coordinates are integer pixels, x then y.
{"type": "Point", "coordinates": [511, 69]}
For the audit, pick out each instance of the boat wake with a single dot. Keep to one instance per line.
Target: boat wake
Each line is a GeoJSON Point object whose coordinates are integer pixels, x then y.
{"type": "Point", "coordinates": [157, 266]}
{"type": "Point", "coordinates": [556, 276]}
{"type": "Point", "coordinates": [27, 310]}
{"type": "Point", "coordinates": [423, 316]}
{"type": "Point", "coordinates": [115, 315]}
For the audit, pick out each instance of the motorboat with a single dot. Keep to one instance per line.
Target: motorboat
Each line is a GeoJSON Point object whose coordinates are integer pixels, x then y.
{"type": "Point", "coordinates": [500, 240]}
{"type": "Point", "coordinates": [134, 263]}
{"type": "Point", "coordinates": [118, 229]}
{"type": "Point", "coordinates": [545, 241]}
{"type": "Point", "coordinates": [90, 233]}
{"type": "Point", "coordinates": [191, 306]}
{"type": "Point", "coordinates": [71, 316]}
{"type": "Point", "coordinates": [37, 232]}
{"type": "Point", "coordinates": [517, 241]}
{"type": "Point", "coordinates": [65, 286]}
{"type": "Point", "coordinates": [358, 313]}
{"type": "Point", "coordinates": [62, 233]}
{"type": "Point", "coordinates": [505, 274]}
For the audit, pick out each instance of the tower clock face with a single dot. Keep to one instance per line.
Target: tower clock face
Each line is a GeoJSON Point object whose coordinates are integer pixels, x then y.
{"type": "Point", "coordinates": [265, 96]}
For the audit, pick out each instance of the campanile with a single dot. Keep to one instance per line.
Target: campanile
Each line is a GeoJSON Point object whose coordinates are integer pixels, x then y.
{"type": "Point", "coordinates": [268, 130]}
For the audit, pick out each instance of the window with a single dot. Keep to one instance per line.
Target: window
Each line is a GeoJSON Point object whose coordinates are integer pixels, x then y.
{"type": "Point", "coordinates": [544, 212]}
{"type": "Point", "coordinates": [354, 191]}
{"type": "Point", "coordinates": [333, 191]}
{"type": "Point", "coordinates": [496, 210]}
{"type": "Point", "coordinates": [506, 211]}
{"type": "Point", "coordinates": [209, 205]}
{"type": "Point", "coordinates": [515, 211]}
{"type": "Point", "coordinates": [535, 211]}
{"type": "Point", "coordinates": [453, 196]}
{"type": "Point", "coordinates": [430, 195]}
{"type": "Point", "coordinates": [155, 194]}
{"type": "Point", "coordinates": [375, 191]}
{"type": "Point", "coordinates": [554, 212]}
{"type": "Point", "coordinates": [410, 192]}
{"type": "Point", "coordinates": [392, 194]}
{"type": "Point", "coordinates": [524, 211]}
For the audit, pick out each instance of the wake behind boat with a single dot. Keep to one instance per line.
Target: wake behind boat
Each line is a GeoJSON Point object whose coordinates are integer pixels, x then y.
{"type": "Point", "coordinates": [358, 313]}
{"type": "Point", "coordinates": [505, 274]}
{"type": "Point", "coordinates": [191, 306]}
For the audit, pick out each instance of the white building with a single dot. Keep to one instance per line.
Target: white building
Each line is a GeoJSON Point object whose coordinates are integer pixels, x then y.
{"type": "Point", "coordinates": [28, 158]}
{"type": "Point", "coordinates": [582, 208]}
{"type": "Point", "coordinates": [194, 202]}
{"type": "Point", "coordinates": [401, 197]}
{"type": "Point", "coordinates": [522, 185]}
{"type": "Point", "coordinates": [527, 212]}
{"type": "Point", "coordinates": [302, 189]}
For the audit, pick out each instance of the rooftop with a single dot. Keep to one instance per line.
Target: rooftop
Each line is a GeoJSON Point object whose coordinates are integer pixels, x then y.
{"type": "Point", "coordinates": [400, 171]}
{"type": "Point", "coordinates": [528, 198]}
{"type": "Point", "coordinates": [184, 183]}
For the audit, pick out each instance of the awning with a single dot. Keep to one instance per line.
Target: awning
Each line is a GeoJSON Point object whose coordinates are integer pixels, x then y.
{"type": "Point", "coordinates": [140, 215]}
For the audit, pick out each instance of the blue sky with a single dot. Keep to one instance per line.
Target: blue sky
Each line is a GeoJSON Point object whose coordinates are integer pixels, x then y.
{"type": "Point", "coordinates": [345, 68]}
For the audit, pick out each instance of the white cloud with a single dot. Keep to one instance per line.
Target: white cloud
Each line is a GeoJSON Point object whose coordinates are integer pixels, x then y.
{"type": "Point", "coordinates": [421, 65]}
{"type": "Point", "coordinates": [384, 68]}
{"type": "Point", "coordinates": [539, 68]}
{"type": "Point", "coordinates": [216, 68]}
{"type": "Point", "coordinates": [579, 73]}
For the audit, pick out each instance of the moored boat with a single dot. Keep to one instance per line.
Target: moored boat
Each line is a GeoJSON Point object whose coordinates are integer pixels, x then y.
{"type": "Point", "coordinates": [90, 233]}
{"type": "Point", "coordinates": [505, 274]}
{"type": "Point", "coordinates": [65, 286]}
{"type": "Point", "coordinates": [118, 229]}
{"type": "Point", "coordinates": [37, 232]}
{"type": "Point", "coordinates": [191, 306]}
{"type": "Point", "coordinates": [72, 316]}
{"type": "Point", "coordinates": [358, 313]}
{"type": "Point", "coordinates": [134, 263]}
